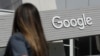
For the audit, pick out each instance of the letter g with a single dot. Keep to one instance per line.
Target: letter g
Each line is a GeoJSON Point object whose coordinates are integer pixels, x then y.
{"type": "Point", "coordinates": [59, 22]}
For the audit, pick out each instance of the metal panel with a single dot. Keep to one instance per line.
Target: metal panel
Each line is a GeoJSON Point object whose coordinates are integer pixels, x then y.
{"type": "Point", "coordinates": [5, 28]}
{"type": "Point", "coordinates": [52, 33]}
{"type": "Point", "coordinates": [74, 4]}
{"type": "Point", "coordinates": [94, 3]}
{"type": "Point", "coordinates": [61, 4]}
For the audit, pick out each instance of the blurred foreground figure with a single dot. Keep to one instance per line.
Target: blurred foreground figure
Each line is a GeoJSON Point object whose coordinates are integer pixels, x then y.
{"type": "Point", "coordinates": [27, 37]}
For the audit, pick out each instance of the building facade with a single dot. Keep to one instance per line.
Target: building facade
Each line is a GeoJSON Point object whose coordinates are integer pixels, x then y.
{"type": "Point", "coordinates": [71, 26]}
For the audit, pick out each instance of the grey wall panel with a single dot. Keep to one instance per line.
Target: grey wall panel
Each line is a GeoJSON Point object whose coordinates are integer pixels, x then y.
{"type": "Point", "coordinates": [75, 4]}
{"type": "Point", "coordinates": [94, 3]}
{"type": "Point", "coordinates": [5, 28]}
{"type": "Point", "coordinates": [72, 32]}
{"type": "Point", "coordinates": [61, 4]}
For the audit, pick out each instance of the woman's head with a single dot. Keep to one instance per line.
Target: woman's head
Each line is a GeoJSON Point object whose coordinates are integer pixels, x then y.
{"type": "Point", "coordinates": [27, 21]}
{"type": "Point", "coordinates": [26, 16]}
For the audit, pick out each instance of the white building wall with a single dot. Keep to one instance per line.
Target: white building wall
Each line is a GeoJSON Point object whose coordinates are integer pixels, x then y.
{"type": "Point", "coordinates": [43, 5]}
{"type": "Point", "coordinates": [94, 3]}
{"type": "Point", "coordinates": [76, 4]}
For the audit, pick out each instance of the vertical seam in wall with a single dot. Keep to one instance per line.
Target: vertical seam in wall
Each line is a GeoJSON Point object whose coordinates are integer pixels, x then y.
{"type": "Point", "coordinates": [65, 3]}
{"type": "Point", "coordinates": [88, 3]}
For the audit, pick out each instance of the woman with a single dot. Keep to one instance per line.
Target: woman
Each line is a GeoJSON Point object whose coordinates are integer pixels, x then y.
{"type": "Point", "coordinates": [27, 34]}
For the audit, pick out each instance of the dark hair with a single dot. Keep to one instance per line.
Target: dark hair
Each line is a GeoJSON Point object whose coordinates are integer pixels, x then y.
{"type": "Point", "coordinates": [27, 21]}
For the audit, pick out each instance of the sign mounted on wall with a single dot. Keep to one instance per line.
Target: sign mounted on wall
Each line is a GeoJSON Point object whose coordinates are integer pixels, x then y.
{"type": "Point", "coordinates": [66, 24]}
{"type": "Point", "coordinates": [81, 22]}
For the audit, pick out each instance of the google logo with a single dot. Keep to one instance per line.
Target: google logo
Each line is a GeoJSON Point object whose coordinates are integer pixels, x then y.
{"type": "Point", "coordinates": [81, 22]}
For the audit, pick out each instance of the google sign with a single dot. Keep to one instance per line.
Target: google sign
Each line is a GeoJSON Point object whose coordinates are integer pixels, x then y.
{"type": "Point", "coordinates": [81, 22]}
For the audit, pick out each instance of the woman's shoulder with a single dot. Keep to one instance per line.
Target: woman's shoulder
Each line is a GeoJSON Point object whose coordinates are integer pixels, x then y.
{"type": "Point", "coordinates": [17, 36]}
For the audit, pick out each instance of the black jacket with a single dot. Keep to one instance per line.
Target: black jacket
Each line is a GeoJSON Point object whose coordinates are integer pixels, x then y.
{"type": "Point", "coordinates": [18, 46]}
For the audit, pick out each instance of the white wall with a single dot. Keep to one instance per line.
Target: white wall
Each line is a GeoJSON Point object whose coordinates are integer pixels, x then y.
{"type": "Point", "coordinates": [43, 5]}
{"type": "Point", "coordinates": [76, 4]}
{"type": "Point", "coordinates": [94, 3]}
{"type": "Point", "coordinates": [62, 4]}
